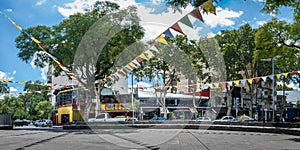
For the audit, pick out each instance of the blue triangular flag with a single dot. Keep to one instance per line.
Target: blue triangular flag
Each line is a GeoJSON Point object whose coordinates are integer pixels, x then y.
{"type": "Point", "coordinates": [169, 34]}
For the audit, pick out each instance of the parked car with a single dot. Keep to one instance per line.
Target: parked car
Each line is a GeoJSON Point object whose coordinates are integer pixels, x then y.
{"type": "Point", "coordinates": [244, 118]}
{"type": "Point", "coordinates": [105, 117]}
{"type": "Point", "coordinates": [19, 122]}
{"type": "Point", "coordinates": [226, 119]}
{"type": "Point", "coordinates": [130, 119]}
{"type": "Point", "coordinates": [43, 123]}
{"type": "Point", "coordinates": [203, 119]}
{"type": "Point", "coordinates": [157, 119]}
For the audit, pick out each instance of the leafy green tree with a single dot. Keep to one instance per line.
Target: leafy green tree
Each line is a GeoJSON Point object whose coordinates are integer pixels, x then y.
{"type": "Point", "coordinates": [4, 87]}
{"type": "Point", "coordinates": [298, 103]}
{"type": "Point", "coordinates": [35, 92]}
{"type": "Point", "coordinates": [180, 58]}
{"type": "Point", "coordinates": [268, 45]}
{"type": "Point", "coordinates": [44, 109]}
{"type": "Point", "coordinates": [14, 106]}
{"type": "Point", "coordinates": [237, 47]}
{"type": "Point", "coordinates": [84, 35]}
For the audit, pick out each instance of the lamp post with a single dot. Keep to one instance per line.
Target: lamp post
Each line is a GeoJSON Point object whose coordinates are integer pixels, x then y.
{"type": "Point", "coordinates": [273, 84]}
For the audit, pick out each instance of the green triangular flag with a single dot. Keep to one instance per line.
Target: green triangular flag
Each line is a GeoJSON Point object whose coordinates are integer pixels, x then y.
{"type": "Point", "coordinates": [185, 20]}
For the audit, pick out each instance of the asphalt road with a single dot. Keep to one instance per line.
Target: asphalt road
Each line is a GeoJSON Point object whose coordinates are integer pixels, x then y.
{"type": "Point", "coordinates": [101, 139]}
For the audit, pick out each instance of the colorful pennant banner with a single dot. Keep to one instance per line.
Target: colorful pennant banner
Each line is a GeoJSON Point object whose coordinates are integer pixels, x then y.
{"type": "Point", "coordinates": [40, 45]}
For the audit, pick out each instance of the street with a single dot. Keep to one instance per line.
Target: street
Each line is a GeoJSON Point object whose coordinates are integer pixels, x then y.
{"type": "Point", "coordinates": [49, 138]}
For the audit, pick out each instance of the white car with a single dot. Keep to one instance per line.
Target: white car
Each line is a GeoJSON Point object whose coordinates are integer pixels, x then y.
{"type": "Point", "coordinates": [203, 119]}
{"type": "Point", "coordinates": [226, 119]}
{"type": "Point", "coordinates": [43, 123]}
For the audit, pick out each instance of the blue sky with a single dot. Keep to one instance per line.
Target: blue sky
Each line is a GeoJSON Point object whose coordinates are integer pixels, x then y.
{"type": "Point", "coordinates": [230, 15]}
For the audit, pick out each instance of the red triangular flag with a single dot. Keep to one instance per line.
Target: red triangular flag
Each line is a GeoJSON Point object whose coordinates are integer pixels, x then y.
{"type": "Point", "coordinates": [177, 28]}
{"type": "Point", "coordinates": [196, 13]}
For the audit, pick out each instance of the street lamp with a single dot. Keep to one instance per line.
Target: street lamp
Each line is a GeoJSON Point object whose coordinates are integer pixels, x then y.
{"type": "Point", "coordinates": [273, 82]}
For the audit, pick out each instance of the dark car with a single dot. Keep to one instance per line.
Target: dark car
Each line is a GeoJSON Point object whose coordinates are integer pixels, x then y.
{"type": "Point", "coordinates": [19, 122]}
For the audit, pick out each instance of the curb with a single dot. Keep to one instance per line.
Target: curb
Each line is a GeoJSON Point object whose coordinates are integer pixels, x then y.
{"type": "Point", "coordinates": [262, 129]}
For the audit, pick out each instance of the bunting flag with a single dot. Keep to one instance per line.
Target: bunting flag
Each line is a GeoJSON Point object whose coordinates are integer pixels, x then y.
{"type": "Point", "coordinates": [264, 78]}
{"type": "Point", "coordinates": [216, 85]}
{"type": "Point", "coordinates": [126, 70]}
{"type": "Point", "coordinates": [161, 39]}
{"type": "Point", "coordinates": [129, 67]}
{"type": "Point", "coordinates": [278, 76]}
{"type": "Point", "coordinates": [139, 59]}
{"type": "Point", "coordinates": [23, 82]}
{"type": "Point", "coordinates": [293, 73]}
{"type": "Point", "coordinates": [196, 14]}
{"type": "Point", "coordinates": [209, 7]}
{"type": "Point", "coordinates": [209, 85]}
{"type": "Point", "coordinates": [39, 45]}
{"type": "Point", "coordinates": [108, 78]}
{"type": "Point", "coordinates": [243, 82]}
{"type": "Point", "coordinates": [143, 56]}
{"type": "Point", "coordinates": [148, 52]}
{"type": "Point", "coordinates": [286, 74]}
{"type": "Point", "coordinates": [177, 28]}
{"type": "Point", "coordinates": [223, 84]}
{"type": "Point", "coordinates": [250, 80]}
{"type": "Point", "coordinates": [169, 34]}
{"type": "Point", "coordinates": [122, 72]}
{"type": "Point", "coordinates": [185, 20]}
{"type": "Point", "coordinates": [153, 48]}
{"type": "Point", "coordinates": [229, 83]}
{"type": "Point", "coordinates": [271, 77]}
{"type": "Point", "coordinates": [131, 64]}
{"type": "Point", "coordinates": [116, 76]}
{"type": "Point", "coordinates": [257, 79]}
{"type": "Point", "coordinates": [237, 82]}
{"type": "Point", "coordinates": [135, 62]}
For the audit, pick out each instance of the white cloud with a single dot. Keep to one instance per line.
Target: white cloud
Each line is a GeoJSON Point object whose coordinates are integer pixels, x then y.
{"type": "Point", "coordinates": [2, 74]}
{"type": "Point", "coordinates": [13, 90]}
{"type": "Point", "coordinates": [8, 10]}
{"type": "Point", "coordinates": [154, 24]}
{"type": "Point", "coordinates": [260, 23]}
{"type": "Point", "coordinates": [5, 75]}
{"type": "Point", "coordinates": [261, 1]}
{"type": "Point", "coordinates": [223, 17]}
{"type": "Point", "coordinates": [210, 35]}
{"type": "Point", "coordinates": [43, 70]}
{"type": "Point", "coordinates": [40, 2]}
{"type": "Point", "coordinates": [81, 5]}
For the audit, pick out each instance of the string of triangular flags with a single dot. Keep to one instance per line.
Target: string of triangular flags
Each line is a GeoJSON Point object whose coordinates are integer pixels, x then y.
{"type": "Point", "coordinates": [250, 81]}
{"type": "Point", "coordinates": [40, 45]}
{"type": "Point", "coordinates": [150, 53]}
{"type": "Point", "coordinates": [25, 82]}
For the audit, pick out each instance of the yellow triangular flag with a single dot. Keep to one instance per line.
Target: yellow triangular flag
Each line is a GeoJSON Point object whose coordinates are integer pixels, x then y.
{"type": "Point", "coordinates": [286, 74]}
{"type": "Point", "coordinates": [129, 67]}
{"type": "Point", "coordinates": [18, 27]}
{"type": "Point", "coordinates": [23, 82]}
{"type": "Point", "coordinates": [161, 39]}
{"type": "Point", "coordinates": [216, 85]}
{"type": "Point", "coordinates": [250, 81]}
{"type": "Point", "coordinates": [209, 7]}
{"type": "Point", "coordinates": [236, 83]}
{"type": "Point", "coordinates": [144, 57]}
{"type": "Point", "coordinates": [132, 65]}
{"type": "Point", "coordinates": [278, 76]}
{"type": "Point", "coordinates": [149, 53]}
{"type": "Point", "coordinates": [35, 40]}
